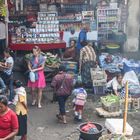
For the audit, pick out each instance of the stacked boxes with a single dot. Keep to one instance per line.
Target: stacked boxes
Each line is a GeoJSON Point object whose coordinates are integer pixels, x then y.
{"type": "Point", "coordinates": [99, 79]}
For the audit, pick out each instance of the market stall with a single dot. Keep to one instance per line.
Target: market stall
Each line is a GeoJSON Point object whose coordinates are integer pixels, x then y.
{"type": "Point", "coordinates": [48, 24]}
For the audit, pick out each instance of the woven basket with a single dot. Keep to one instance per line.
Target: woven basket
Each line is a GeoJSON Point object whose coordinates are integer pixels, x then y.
{"type": "Point", "coordinates": [114, 107]}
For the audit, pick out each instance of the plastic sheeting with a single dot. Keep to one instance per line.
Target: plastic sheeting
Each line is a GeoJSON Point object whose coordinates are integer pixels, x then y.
{"type": "Point", "coordinates": [115, 65]}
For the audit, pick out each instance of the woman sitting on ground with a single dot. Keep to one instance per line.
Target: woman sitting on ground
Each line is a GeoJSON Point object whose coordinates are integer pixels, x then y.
{"type": "Point", "coordinates": [116, 85]}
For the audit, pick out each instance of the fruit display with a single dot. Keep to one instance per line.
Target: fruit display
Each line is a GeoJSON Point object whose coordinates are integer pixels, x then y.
{"type": "Point", "coordinates": [110, 99]}
{"type": "Point", "coordinates": [51, 60]}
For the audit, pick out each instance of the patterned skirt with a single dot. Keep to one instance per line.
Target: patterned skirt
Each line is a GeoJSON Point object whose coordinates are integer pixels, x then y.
{"type": "Point", "coordinates": [85, 72]}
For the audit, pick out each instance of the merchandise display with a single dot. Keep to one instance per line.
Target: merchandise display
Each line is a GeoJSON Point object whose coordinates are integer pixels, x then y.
{"type": "Point", "coordinates": [47, 29]}
{"type": "Point", "coordinates": [107, 20]}
{"type": "Point", "coordinates": [70, 22]}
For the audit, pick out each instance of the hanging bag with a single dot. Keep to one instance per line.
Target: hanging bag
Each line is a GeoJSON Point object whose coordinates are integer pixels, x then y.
{"type": "Point", "coordinates": [32, 76]}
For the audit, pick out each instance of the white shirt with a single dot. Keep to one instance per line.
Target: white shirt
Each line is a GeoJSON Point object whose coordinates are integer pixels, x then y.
{"type": "Point", "coordinates": [114, 84]}
{"type": "Point", "coordinates": [2, 30]}
{"type": "Point", "coordinates": [10, 61]}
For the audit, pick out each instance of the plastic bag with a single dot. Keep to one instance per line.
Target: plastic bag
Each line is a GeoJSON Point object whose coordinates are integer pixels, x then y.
{"type": "Point", "coordinates": [32, 76]}
{"type": "Point", "coordinates": [131, 77]}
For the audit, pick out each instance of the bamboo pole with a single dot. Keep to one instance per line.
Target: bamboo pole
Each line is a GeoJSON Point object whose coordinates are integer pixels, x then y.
{"type": "Point", "coordinates": [126, 108]}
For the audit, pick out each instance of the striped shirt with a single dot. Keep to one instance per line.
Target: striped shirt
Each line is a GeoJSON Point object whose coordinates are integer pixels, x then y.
{"type": "Point", "coordinates": [87, 54]}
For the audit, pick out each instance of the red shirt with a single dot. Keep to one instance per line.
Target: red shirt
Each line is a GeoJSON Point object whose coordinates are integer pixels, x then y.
{"type": "Point", "coordinates": [8, 123]}
{"type": "Point", "coordinates": [64, 80]}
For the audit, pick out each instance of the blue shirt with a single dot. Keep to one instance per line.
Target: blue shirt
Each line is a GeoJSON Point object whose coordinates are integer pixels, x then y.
{"type": "Point", "coordinates": [82, 37]}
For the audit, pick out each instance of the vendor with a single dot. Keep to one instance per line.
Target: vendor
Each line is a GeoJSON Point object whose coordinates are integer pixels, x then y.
{"type": "Point", "coordinates": [69, 53]}
{"type": "Point", "coordinates": [87, 61]}
{"type": "Point", "coordinates": [116, 85]}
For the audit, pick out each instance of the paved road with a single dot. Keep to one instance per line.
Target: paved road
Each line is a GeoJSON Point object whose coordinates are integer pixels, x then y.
{"type": "Point", "coordinates": [43, 125]}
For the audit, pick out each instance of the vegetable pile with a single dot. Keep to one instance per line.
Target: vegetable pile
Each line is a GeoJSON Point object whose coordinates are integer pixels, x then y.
{"type": "Point", "coordinates": [51, 60]}
{"type": "Point", "coordinates": [110, 99]}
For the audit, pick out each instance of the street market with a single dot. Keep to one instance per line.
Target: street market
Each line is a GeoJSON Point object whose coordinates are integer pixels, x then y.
{"type": "Point", "coordinates": [69, 70]}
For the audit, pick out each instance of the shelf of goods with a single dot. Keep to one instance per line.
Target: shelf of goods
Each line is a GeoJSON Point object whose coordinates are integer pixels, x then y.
{"type": "Point", "coordinates": [70, 21]}
{"type": "Point", "coordinates": [46, 34]}
{"type": "Point", "coordinates": [107, 20]}
{"type": "Point", "coordinates": [75, 8]}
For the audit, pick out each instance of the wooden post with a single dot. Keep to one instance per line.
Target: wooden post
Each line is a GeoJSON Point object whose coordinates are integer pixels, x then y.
{"type": "Point", "coordinates": [126, 108]}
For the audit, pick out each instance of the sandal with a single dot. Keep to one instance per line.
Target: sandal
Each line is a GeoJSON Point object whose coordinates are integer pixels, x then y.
{"type": "Point", "coordinates": [34, 102]}
{"type": "Point", "coordinates": [59, 117]}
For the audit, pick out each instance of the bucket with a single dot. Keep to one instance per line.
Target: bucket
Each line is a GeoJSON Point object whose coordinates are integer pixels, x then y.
{"type": "Point", "coordinates": [88, 136]}
{"type": "Point", "coordinates": [113, 48]}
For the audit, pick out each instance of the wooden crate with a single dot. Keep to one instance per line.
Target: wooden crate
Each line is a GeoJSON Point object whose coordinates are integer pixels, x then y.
{"type": "Point", "coordinates": [99, 82]}
{"type": "Point", "coordinates": [136, 103]}
{"type": "Point", "coordinates": [98, 74]}
{"type": "Point", "coordinates": [112, 108]}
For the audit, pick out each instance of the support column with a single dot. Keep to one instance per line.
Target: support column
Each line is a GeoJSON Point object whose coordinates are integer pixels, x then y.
{"type": "Point", "coordinates": [132, 29]}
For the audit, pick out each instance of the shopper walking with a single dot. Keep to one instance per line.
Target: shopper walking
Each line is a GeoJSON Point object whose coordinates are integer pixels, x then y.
{"type": "Point", "coordinates": [7, 72]}
{"type": "Point", "coordinates": [20, 101]}
{"type": "Point", "coordinates": [87, 61]}
{"type": "Point", "coordinates": [79, 100]}
{"type": "Point", "coordinates": [8, 121]}
{"type": "Point", "coordinates": [36, 66]}
{"type": "Point", "coordinates": [2, 35]}
{"type": "Point", "coordinates": [62, 84]}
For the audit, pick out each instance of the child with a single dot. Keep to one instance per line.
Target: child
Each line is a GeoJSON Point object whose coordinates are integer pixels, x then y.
{"type": "Point", "coordinates": [79, 100]}
{"type": "Point", "coordinates": [20, 101]}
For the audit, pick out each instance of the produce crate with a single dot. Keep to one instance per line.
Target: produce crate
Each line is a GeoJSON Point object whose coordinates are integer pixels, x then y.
{"type": "Point", "coordinates": [98, 74]}
{"type": "Point", "coordinates": [99, 82]}
{"type": "Point", "coordinates": [70, 66]}
{"type": "Point", "coordinates": [110, 103]}
{"type": "Point", "coordinates": [136, 103]}
{"type": "Point", "coordinates": [114, 107]}
{"type": "Point", "coordinates": [99, 90]}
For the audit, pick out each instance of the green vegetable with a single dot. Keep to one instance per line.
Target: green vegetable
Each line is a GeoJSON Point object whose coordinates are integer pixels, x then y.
{"type": "Point", "coordinates": [110, 99]}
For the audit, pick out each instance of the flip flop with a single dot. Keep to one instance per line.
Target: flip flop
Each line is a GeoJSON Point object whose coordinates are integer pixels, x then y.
{"type": "Point", "coordinates": [59, 117]}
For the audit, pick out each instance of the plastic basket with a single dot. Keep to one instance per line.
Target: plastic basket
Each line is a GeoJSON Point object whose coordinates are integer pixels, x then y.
{"type": "Point", "coordinates": [99, 82]}
{"type": "Point", "coordinates": [98, 74]}
{"type": "Point", "coordinates": [114, 107]}
{"type": "Point", "coordinates": [99, 90]}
